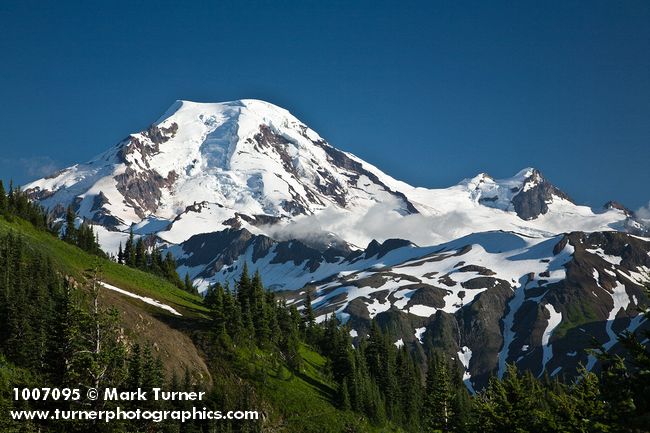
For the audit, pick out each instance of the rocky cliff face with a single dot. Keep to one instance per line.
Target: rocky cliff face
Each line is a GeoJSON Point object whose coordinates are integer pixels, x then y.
{"type": "Point", "coordinates": [533, 198]}
{"type": "Point", "coordinates": [496, 298]}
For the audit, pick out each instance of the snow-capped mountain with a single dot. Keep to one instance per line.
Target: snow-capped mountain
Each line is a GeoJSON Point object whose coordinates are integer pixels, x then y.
{"type": "Point", "coordinates": [499, 264]}
{"type": "Point", "coordinates": [206, 167]}
{"type": "Point", "coordinates": [232, 162]}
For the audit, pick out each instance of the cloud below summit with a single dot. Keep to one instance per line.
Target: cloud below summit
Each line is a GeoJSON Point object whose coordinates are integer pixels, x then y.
{"type": "Point", "coordinates": [643, 215]}
{"type": "Point", "coordinates": [380, 222]}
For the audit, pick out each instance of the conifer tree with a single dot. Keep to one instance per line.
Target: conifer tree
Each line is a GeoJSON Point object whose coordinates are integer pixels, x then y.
{"type": "Point", "coordinates": [120, 255]}
{"type": "Point", "coordinates": [155, 261]}
{"type": "Point", "coordinates": [617, 391]}
{"type": "Point", "coordinates": [65, 335]}
{"type": "Point", "coordinates": [135, 377]}
{"type": "Point", "coordinates": [461, 404]}
{"type": "Point", "coordinates": [70, 234]}
{"type": "Point", "coordinates": [140, 254]}
{"type": "Point", "coordinates": [152, 373]}
{"type": "Point", "coordinates": [409, 389]}
{"type": "Point", "coordinates": [261, 310]}
{"type": "Point", "coordinates": [169, 269]}
{"type": "Point", "coordinates": [3, 198]}
{"type": "Point", "coordinates": [214, 300]}
{"type": "Point", "coordinates": [188, 384]}
{"type": "Point", "coordinates": [232, 314]}
{"type": "Point", "coordinates": [580, 407]}
{"type": "Point", "coordinates": [11, 196]}
{"type": "Point", "coordinates": [189, 287]}
{"type": "Point", "coordinates": [244, 286]}
{"type": "Point", "coordinates": [271, 310]}
{"type": "Point", "coordinates": [309, 318]}
{"type": "Point", "coordinates": [129, 250]}
{"type": "Point", "coordinates": [437, 408]}
{"type": "Point", "coordinates": [248, 327]}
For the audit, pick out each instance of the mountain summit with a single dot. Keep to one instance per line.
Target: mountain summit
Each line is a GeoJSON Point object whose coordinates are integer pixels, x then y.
{"type": "Point", "coordinates": [245, 157]}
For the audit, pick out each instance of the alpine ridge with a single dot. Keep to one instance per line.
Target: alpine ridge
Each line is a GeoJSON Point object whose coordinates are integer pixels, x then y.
{"type": "Point", "coordinates": [489, 270]}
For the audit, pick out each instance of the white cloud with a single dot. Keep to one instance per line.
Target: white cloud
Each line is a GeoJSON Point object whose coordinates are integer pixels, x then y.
{"type": "Point", "coordinates": [643, 215]}
{"type": "Point", "coordinates": [381, 221]}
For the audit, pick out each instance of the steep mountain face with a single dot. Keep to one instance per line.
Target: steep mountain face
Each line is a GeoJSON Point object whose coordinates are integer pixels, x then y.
{"type": "Point", "coordinates": [495, 298]}
{"type": "Point", "coordinates": [491, 270]}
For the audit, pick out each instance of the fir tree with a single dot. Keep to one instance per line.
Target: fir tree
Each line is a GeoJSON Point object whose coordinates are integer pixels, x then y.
{"type": "Point", "coordinates": [129, 250]}
{"type": "Point", "coordinates": [65, 336]}
{"type": "Point", "coordinates": [437, 404]}
{"type": "Point", "coordinates": [189, 287]}
{"type": "Point", "coordinates": [120, 255]}
{"type": "Point", "coordinates": [244, 286]}
{"type": "Point", "coordinates": [152, 373]}
{"type": "Point", "coordinates": [135, 377]}
{"type": "Point", "coordinates": [308, 313]}
{"type": "Point", "coordinates": [140, 254]}
{"type": "Point", "coordinates": [3, 198]}
{"type": "Point", "coordinates": [169, 270]}
{"type": "Point", "coordinates": [70, 234]}
{"type": "Point", "coordinates": [11, 202]}
{"type": "Point", "coordinates": [155, 261]}
{"type": "Point", "coordinates": [262, 310]}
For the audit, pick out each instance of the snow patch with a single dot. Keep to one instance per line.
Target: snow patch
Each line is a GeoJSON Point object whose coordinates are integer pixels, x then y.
{"type": "Point", "coordinates": [465, 356]}
{"type": "Point", "coordinates": [615, 260]}
{"type": "Point", "coordinates": [553, 321]}
{"type": "Point", "coordinates": [621, 300]}
{"type": "Point", "coordinates": [144, 299]}
{"type": "Point", "coordinates": [419, 333]}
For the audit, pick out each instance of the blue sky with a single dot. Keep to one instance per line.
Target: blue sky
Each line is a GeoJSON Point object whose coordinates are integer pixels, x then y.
{"type": "Point", "coordinates": [431, 92]}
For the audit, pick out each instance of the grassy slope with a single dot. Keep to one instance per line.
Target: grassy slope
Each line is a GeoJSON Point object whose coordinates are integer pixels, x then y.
{"type": "Point", "coordinates": [301, 402]}
{"type": "Point", "coordinates": [75, 262]}
{"type": "Point", "coordinates": [296, 402]}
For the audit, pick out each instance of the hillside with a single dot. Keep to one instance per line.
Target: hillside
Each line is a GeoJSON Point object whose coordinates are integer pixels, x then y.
{"type": "Point", "coordinates": [74, 262]}
{"type": "Point", "coordinates": [176, 336]}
